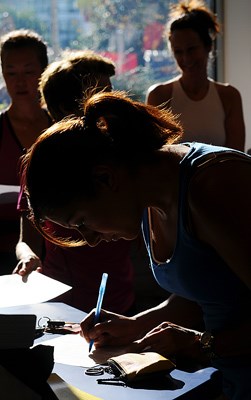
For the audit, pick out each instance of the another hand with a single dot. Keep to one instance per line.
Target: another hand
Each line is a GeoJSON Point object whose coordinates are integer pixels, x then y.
{"type": "Point", "coordinates": [28, 264]}
{"type": "Point", "coordinates": [112, 330]}
{"type": "Point", "coordinates": [169, 339]}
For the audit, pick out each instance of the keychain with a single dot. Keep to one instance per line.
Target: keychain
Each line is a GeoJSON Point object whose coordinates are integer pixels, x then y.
{"type": "Point", "coordinates": [58, 326]}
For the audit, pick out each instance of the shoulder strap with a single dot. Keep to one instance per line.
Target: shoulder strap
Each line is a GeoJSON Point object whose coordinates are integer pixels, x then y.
{"type": "Point", "coordinates": [223, 156]}
{"type": "Point", "coordinates": [1, 124]}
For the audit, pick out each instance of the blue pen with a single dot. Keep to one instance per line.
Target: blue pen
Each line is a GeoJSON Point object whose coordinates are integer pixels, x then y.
{"type": "Point", "coordinates": [99, 302]}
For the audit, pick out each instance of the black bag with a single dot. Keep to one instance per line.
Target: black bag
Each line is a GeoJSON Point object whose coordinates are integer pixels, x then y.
{"type": "Point", "coordinates": [32, 367]}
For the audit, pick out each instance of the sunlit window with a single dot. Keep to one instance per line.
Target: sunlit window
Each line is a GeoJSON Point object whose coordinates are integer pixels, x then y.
{"type": "Point", "coordinates": [130, 32]}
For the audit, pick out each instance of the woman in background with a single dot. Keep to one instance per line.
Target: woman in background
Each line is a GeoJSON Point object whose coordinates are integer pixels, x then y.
{"type": "Point", "coordinates": [210, 111]}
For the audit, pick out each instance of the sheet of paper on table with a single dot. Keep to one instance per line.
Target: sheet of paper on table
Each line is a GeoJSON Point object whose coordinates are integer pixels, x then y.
{"type": "Point", "coordinates": [72, 349]}
{"type": "Point", "coordinates": [35, 288]}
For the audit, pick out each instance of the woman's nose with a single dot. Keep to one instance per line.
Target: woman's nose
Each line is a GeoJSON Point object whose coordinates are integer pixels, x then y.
{"type": "Point", "coordinates": [21, 80]}
{"type": "Point", "coordinates": [187, 58]}
{"type": "Point", "coordinates": [92, 238]}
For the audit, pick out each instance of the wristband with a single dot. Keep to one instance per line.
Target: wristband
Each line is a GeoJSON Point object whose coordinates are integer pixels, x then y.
{"type": "Point", "coordinates": [207, 344]}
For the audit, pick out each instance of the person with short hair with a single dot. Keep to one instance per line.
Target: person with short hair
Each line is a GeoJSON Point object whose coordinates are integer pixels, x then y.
{"type": "Point", "coordinates": [23, 56]}
{"type": "Point", "coordinates": [67, 82]}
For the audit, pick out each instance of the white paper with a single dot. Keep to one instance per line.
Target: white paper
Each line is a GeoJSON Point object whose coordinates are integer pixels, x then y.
{"type": "Point", "coordinates": [16, 290]}
{"type": "Point", "coordinates": [71, 349]}
{"type": "Point", "coordinates": [9, 189]}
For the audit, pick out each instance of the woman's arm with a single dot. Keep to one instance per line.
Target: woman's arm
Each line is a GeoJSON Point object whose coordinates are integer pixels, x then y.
{"type": "Point", "coordinates": [234, 118]}
{"type": "Point", "coordinates": [169, 339]}
{"type": "Point", "coordinates": [118, 330]}
{"type": "Point", "coordinates": [219, 202]}
{"type": "Point", "coordinates": [29, 249]}
{"type": "Point", "coordinates": [159, 94]}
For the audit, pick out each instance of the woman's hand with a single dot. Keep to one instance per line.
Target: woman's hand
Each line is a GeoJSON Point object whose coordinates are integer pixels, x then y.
{"type": "Point", "coordinates": [168, 340]}
{"type": "Point", "coordinates": [112, 330]}
{"type": "Point", "coordinates": [28, 259]}
{"type": "Point", "coordinates": [28, 264]}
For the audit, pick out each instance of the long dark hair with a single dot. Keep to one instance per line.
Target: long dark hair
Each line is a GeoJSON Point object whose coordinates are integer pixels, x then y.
{"type": "Point", "coordinates": [57, 169]}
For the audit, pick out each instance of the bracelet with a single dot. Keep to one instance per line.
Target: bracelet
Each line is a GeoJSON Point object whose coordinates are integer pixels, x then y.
{"type": "Point", "coordinates": [207, 344]}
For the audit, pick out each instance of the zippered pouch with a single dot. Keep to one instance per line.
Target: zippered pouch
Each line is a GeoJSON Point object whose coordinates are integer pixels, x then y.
{"type": "Point", "coordinates": [133, 366]}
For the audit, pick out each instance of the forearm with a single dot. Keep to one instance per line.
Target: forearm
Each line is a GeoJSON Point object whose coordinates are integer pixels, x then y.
{"type": "Point", "coordinates": [30, 241]}
{"type": "Point", "coordinates": [23, 251]}
{"type": "Point", "coordinates": [227, 343]}
{"type": "Point", "coordinates": [29, 249]}
{"type": "Point", "coordinates": [176, 310]}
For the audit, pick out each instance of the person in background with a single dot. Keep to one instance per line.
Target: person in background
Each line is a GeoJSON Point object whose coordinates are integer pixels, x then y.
{"type": "Point", "coordinates": [23, 59]}
{"type": "Point", "coordinates": [66, 83]}
{"type": "Point", "coordinates": [64, 86]}
{"type": "Point", "coordinates": [124, 168]}
{"type": "Point", "coordinates": [210, 111]}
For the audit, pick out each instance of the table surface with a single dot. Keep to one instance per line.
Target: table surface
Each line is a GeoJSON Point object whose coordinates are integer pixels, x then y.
{"type": "Point", "coordinates": [178, 384]}
{"type": "Point", "coordinates": [9, 194]}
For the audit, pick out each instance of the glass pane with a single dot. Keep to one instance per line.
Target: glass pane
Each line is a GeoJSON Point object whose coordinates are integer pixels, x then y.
{"type": "Point", "coordinates": [130, 32]}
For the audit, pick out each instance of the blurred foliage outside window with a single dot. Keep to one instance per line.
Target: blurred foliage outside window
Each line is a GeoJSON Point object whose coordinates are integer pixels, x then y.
{"type": "Point", "coordinates": [130, 32]}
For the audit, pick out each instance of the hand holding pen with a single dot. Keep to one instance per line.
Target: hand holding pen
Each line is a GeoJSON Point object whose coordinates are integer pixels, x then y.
{"type": "Point", "coordinates": [99, 303]}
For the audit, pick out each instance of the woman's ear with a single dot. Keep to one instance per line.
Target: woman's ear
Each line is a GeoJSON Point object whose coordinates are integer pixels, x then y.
{"type": "Point", "coordinates": [105, 176]}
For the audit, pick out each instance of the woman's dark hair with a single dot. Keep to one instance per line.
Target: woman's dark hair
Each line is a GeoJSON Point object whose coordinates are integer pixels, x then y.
{"type": "Point", "coordinates": [58, 168]}
{"type": "Point", "coordinates": [195, 15]}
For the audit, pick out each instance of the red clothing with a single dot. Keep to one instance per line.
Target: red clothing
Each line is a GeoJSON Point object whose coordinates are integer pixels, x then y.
{"type": "Point", "coordinates": [82, 268]}
{"type": "Point", "coordinates": [10, 153]}
{"type": "Point", "coordinates": [153, 36]}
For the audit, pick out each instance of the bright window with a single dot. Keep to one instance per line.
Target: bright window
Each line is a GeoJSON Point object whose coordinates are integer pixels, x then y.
{"type": "Point", "coordinates": [130, 32]}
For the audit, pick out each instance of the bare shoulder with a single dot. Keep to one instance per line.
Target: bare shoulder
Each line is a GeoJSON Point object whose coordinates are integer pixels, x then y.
{"type": "Point", "coordinates": [219, 211]}
{"type": "Point", "coordinates": [229, 95]}
{"type": "Point", "coordinates": [227, 91]}
{"type": "Point", "coordinates": [220, 187]}
{"type": "Point", "coordinates": [160, 93]}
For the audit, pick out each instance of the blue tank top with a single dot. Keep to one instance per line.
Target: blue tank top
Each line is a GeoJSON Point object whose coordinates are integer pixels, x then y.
{"type": "Point", "coordinates": [195, 271]}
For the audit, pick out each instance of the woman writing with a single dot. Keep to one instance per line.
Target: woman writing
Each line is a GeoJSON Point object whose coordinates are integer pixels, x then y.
{"type": "Point", "coordinates": [195, 206]}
